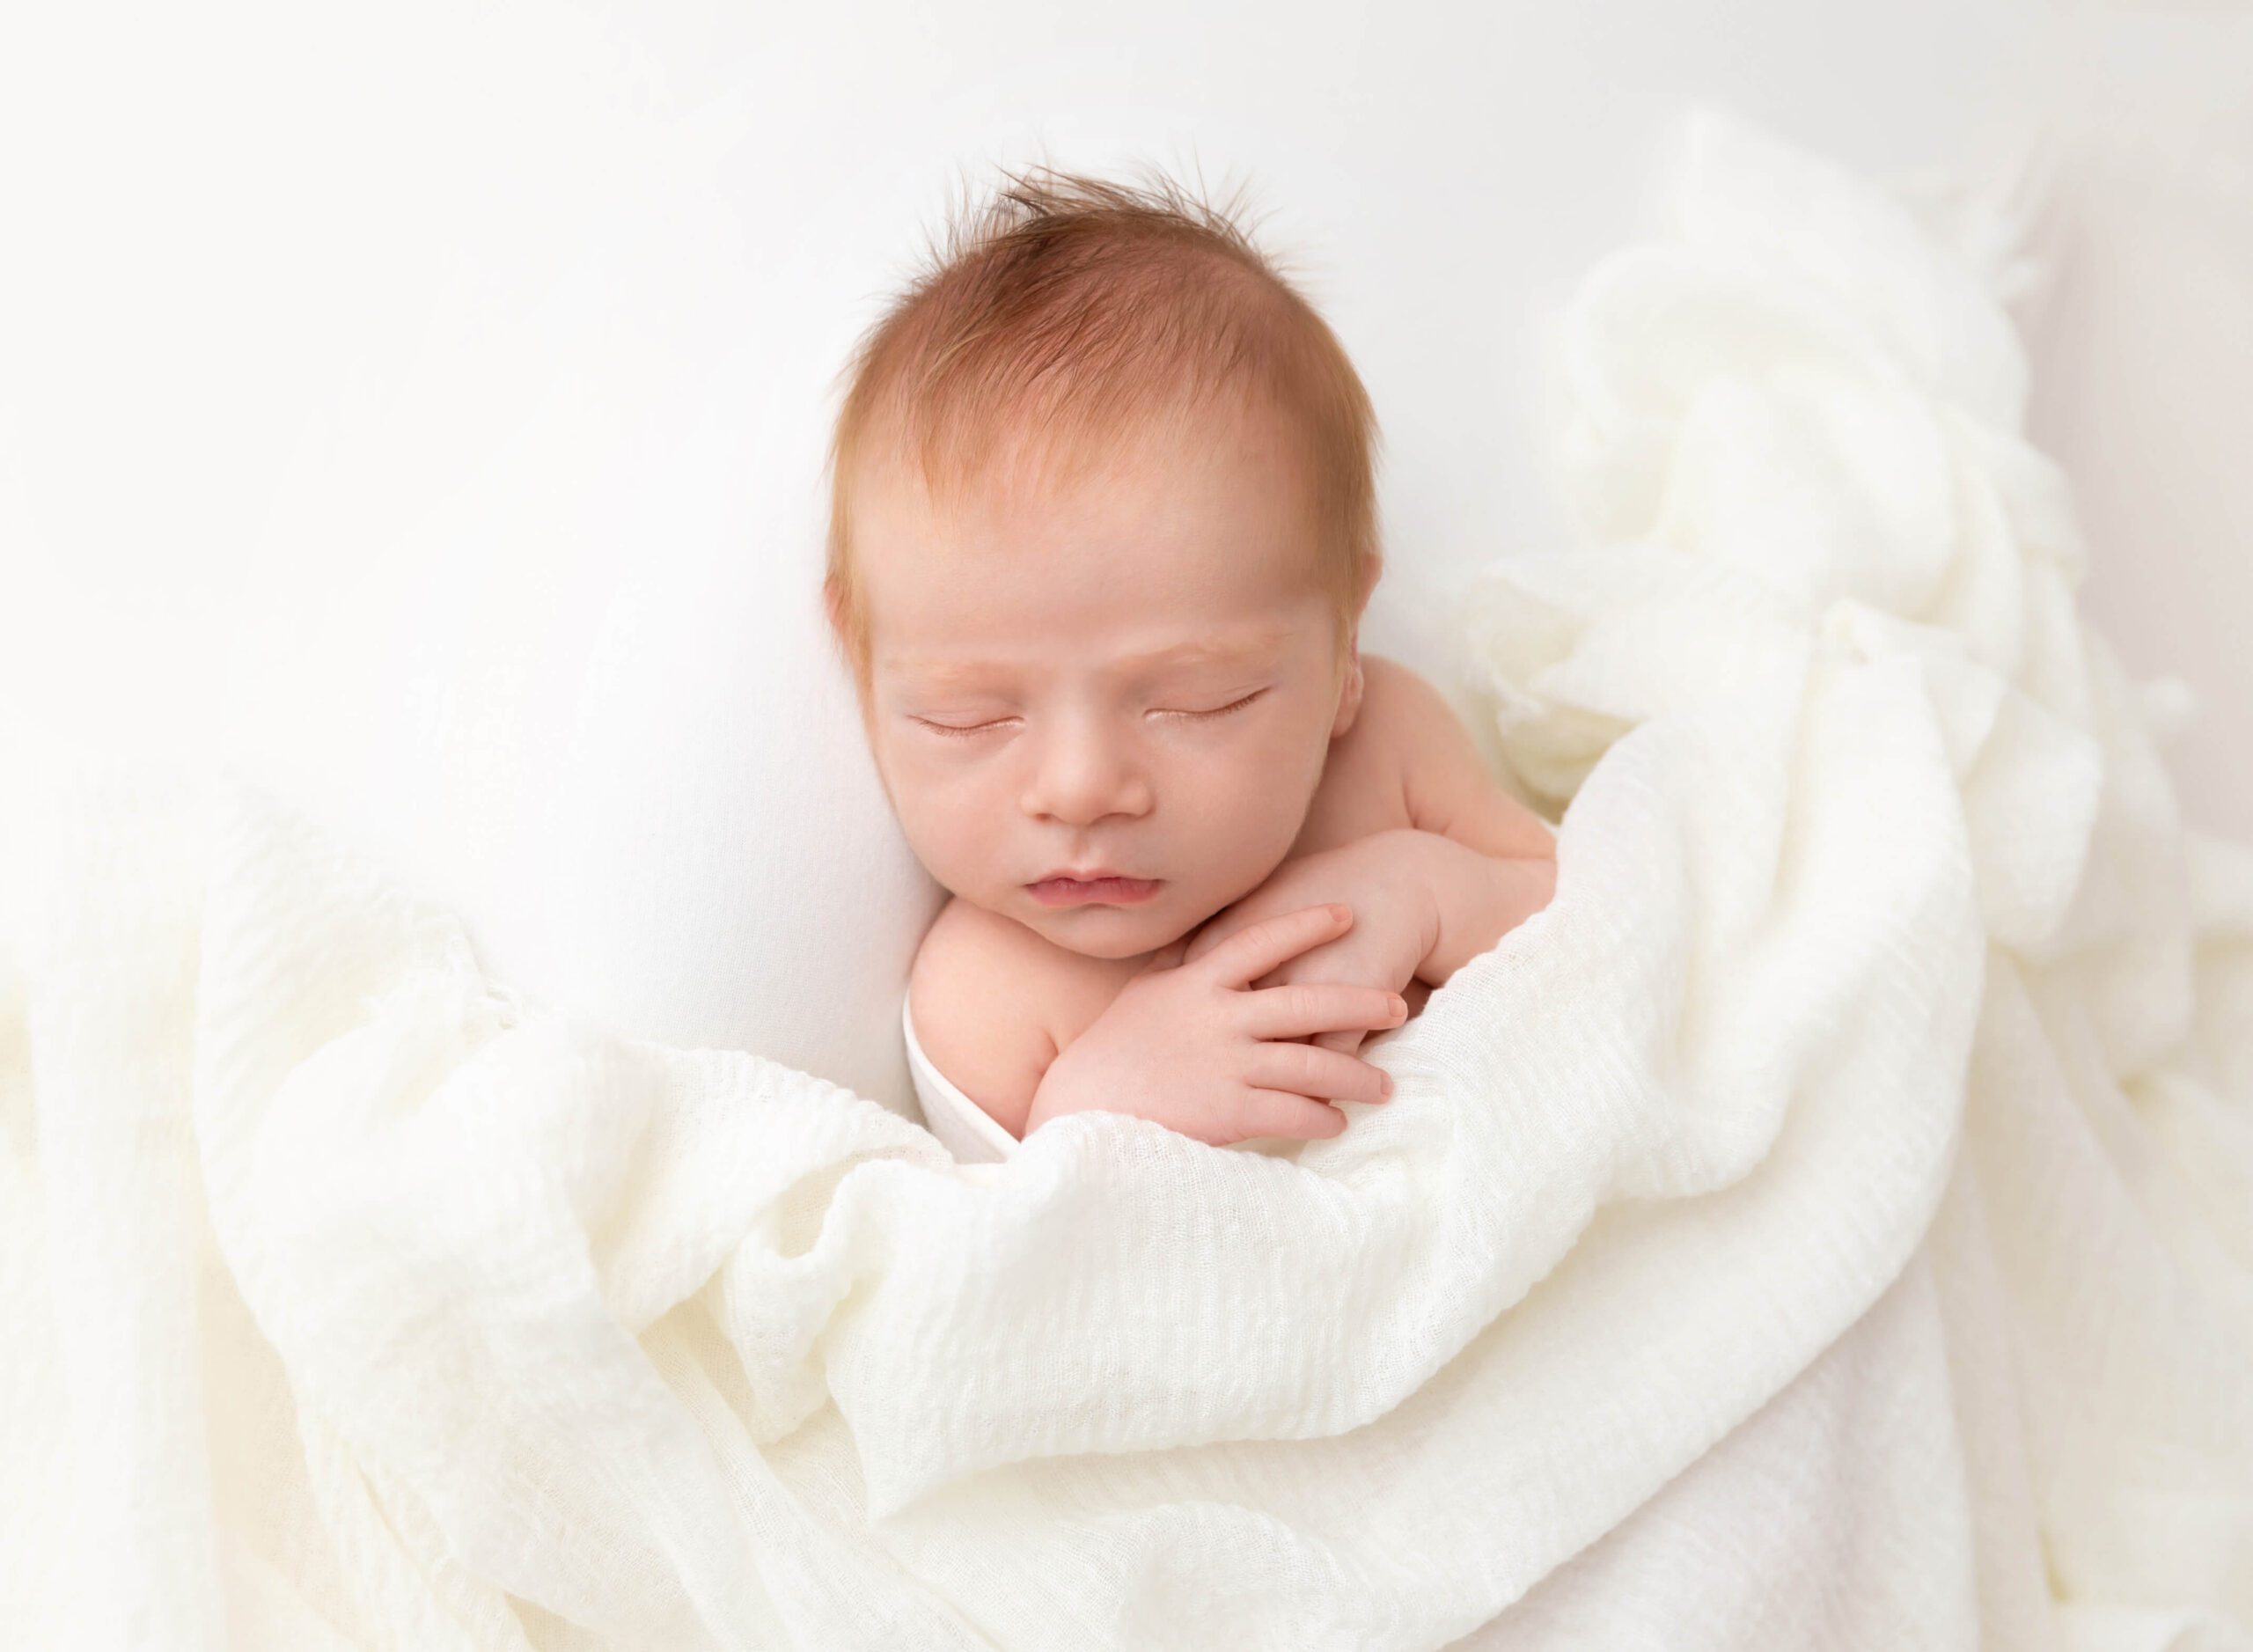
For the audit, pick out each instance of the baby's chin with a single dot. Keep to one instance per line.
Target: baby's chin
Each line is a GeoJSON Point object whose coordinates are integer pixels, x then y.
{"type": "Point", "coordinates": [1106, 931]}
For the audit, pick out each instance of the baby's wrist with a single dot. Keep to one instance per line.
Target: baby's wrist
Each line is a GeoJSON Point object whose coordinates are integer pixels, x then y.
{"type": "Point", "coordinates": [1476, 900]}
{"type": "Point", "coordinates": [1432, 888]}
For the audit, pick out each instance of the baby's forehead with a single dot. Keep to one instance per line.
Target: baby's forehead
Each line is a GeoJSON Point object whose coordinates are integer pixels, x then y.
{"type": "Point", "coordinates": [1029, 448]}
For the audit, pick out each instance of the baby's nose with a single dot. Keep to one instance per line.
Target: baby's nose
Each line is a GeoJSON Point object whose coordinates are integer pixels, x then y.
{"type": "Point", "coordinates": [1080, 784]}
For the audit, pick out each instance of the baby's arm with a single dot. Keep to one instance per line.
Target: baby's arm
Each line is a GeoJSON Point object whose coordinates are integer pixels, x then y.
{"type": "Point", "coordinates": [1491, 859]}
{"type": "Point", "coordinates": [1447, 784]}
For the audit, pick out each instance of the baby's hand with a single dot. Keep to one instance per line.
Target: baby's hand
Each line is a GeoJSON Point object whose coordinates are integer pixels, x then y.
{"type": "Point", "coordinates": [1386, 879]}
{"type": "Point", "coordinates": [1188, 1045]}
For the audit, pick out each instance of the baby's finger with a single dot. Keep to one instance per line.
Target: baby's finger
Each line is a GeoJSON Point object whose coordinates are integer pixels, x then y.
{"type": "Point", "coordinates": [1297, 1008]}
{"type": "Point", "coordinates": [1323, 1075]}
{"type": "Point", "coordinates": [1257, 948]}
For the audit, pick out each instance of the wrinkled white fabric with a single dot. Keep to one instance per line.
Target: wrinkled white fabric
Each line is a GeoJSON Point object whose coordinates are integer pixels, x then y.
{"type": "Point", "coordinates": [1825, 1225]}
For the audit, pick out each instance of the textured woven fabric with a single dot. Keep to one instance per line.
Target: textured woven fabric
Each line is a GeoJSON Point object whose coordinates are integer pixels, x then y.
{"type": "Point", "coordinates": [1825, 1225]}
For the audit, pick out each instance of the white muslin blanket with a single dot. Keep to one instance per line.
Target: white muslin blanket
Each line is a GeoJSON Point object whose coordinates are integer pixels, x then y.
{"type": "Point", "coordinates": [1828, 1224]}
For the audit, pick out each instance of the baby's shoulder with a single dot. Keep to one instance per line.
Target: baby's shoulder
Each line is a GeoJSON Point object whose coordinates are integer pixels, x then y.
{"type": "Point", "coordinates": [988, 996]}
{"type": "Point", "coordinates": [1363, 788]}
{"type": "Point", "coordinates": [1393, 695]}
{"type": "Point", "coordinates": [1445, 782]}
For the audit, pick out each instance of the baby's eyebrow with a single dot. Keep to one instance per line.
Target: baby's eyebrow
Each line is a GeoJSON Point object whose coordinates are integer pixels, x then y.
{"type": "Point", "coordinates": [1198, 651]}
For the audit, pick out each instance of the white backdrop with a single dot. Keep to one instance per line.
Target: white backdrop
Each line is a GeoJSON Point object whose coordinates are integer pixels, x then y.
{"type": "Point", "coordinates": [424, 408]}
{"type": "Point", "coordinates": [2143, 350]}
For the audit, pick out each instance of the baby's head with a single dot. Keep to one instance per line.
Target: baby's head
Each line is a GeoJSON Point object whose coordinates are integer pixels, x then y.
{"type": "Point", "coordinates": [1103, 524]}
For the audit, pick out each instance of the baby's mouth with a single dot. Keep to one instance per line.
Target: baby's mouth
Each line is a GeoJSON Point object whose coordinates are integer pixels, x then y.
{"type": "Point", "coordinates": [1067, 892]}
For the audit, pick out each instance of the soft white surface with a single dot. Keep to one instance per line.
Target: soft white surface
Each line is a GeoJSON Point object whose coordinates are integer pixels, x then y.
{"type": "Point", "coordinates": [1825, 1226]}
{"type": "Point", "coordinates": [423, 402]}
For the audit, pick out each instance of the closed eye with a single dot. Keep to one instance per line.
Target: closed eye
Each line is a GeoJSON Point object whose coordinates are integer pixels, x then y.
{"type": "Point", "coordinates": [1193, 716]}
{"type": "Point", "coordinates": [941, 727]}
{"type": "Point", "coordinates": [1199, 716]}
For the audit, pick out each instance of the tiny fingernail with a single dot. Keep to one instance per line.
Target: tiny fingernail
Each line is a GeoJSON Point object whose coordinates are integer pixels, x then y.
{"type": "Point", "coordinates": [1388, 1082]}
{"type": "Point", "coordinates": [1399, 1005]}
{"type": "Point", "coordinates": [1340, 913]}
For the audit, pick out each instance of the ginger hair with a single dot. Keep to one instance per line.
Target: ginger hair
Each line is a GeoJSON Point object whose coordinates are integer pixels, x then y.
{"type": "Point", "coordinates": [1063, 317]}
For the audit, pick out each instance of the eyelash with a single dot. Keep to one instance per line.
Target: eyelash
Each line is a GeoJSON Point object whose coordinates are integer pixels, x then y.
{"type": "Point", "coordinates": [1193, 716]}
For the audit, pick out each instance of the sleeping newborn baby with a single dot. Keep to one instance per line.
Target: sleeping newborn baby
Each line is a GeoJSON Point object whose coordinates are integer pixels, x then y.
{"type": "Point", "coordinates": [1103, 526]}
